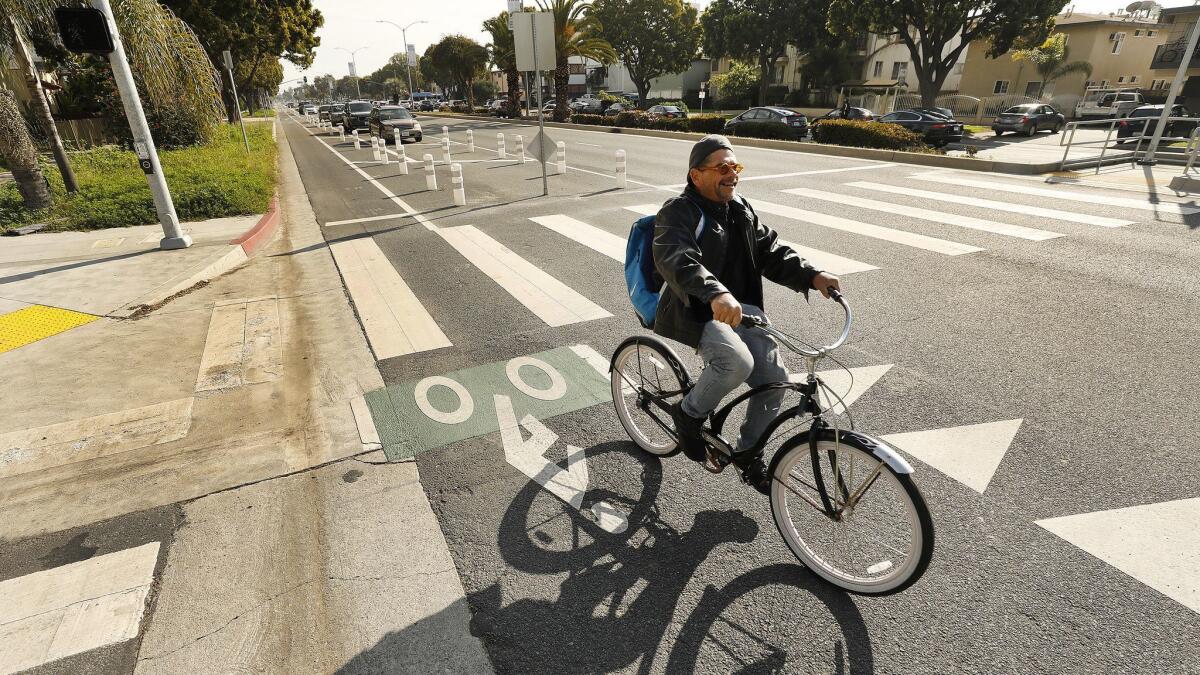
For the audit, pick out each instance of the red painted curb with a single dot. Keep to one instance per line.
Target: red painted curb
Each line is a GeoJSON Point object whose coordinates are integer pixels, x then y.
{"type": "Point", "coordinates": [260, 234]}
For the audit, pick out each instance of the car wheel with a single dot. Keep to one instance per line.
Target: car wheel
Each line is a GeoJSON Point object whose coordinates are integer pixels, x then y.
{"type": "Point", "coordinates": [1031, 130]}
{"type": "Point", "coordinates": [1056, 128]}
{"type": "Point", "coordinates": [997, 132]}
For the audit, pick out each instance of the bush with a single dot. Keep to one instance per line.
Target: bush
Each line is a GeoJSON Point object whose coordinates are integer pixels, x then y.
{"type": "Point", "coordinates": [634, 119]}
{"type": "Point", "coordinates": [772, 130]}
{"type": "Point", "coordinates": [776, 94]}
{"type": "Point", "coordinates": [669, 124]}
{"type": "Point", "coordinates": [863, 134]}
{"type": "Point", "coordinates": [662, 101]}
{"type": "Point", "coordinates": [706, 124]}
{"type": "Point", "coordinates": [797, 98]}
{"type": "Point", "coordinates": [208, 181]}
{"type": "Point", "coordinates": [599, 120]}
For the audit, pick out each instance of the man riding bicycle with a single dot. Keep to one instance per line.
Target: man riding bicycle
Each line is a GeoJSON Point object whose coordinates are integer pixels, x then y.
{"type": "Point", "coordinates": [711, 280]}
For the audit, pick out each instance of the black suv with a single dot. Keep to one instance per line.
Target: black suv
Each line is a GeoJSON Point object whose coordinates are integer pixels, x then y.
{"type": "Point", "coordinates": [356, 115]}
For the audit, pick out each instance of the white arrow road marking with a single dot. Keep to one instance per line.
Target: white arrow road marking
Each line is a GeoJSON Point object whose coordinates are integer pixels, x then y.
{"type": "Point", "coordinates": [1157, 544]}
{"type": "Point", "coordinates": [969, 454]}
{"type": "Point", "coordinates": [840, 382]}
{"type": "Point", "coordinates": [528, 456]}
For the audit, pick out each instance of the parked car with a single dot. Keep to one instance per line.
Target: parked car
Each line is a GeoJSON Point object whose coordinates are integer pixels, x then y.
{"type": "Point", "coordinates": [668, 111]}
{"type": "Point", "coordinates": [587, 106]}
{"type": "Point", "coordinates": [935, 128]}
{"type": "Point", "coordinates": [356, 115]}
{"type": "Point", "coordinates": [1106, 103]}
{"type": "Point", "coordinates": [1143, 121]}
{"type": "Point", "coordinates": [310, 109]}
{"type": "Point", "coordinates": [851, 113]}
{"type": "Point", "coordinates": [616, 108]}
{"type": "Point", "coordinates": [944, 112]}
{"type": "Point", "coordinates": [773, 115]}
{"type": "Point", "coordinates": [1030, 118]}
{"type": "Point", "coordinates": [323, 112]}
{"type": "Point", "coordinates": [386, 119]}
{"type": "Point", "coordinates": [549, 105]}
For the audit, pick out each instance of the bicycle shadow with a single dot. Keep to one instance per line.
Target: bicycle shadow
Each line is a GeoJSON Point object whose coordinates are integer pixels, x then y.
{"type": "Point", "coordinates": [617, 604]}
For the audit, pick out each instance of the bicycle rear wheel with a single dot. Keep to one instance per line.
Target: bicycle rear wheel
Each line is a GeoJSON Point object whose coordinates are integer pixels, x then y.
{"type": "Point", "coordinates": [880, 544]}
{"type": "Point", "coordinates": [646, 377]}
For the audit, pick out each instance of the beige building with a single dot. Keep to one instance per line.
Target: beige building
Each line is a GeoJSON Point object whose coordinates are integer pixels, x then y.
{"type": "Point", "coordinates": [1119, 47]}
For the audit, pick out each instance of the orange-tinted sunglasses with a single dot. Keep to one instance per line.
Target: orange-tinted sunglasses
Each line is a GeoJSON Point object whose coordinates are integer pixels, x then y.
{"type": "Point", "coordinates": [724, 168]}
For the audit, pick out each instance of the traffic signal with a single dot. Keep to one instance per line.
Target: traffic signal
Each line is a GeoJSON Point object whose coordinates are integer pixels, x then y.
{"type": "Point", "coordinates": [83, 30]}
{"type": "Point", "coordinates": [305, 79]}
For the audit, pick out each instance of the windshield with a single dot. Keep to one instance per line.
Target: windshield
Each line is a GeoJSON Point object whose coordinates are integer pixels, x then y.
{"type": "Point", "coordinates": [394, 114]}
{"type": "Point", "coordinates": [360, 107]}
{"type": "Point", "coordinates": [1019, 109]}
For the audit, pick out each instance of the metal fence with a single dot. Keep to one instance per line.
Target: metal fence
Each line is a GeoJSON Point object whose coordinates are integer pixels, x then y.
{"type": "Point", "coordinates": [84, 133]}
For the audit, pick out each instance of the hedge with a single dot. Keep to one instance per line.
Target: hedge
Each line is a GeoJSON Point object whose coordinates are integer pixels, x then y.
{"type": "Point", "coordinates": [208, 181]}
{"type": "Point", "coordinates": [772, 130]}
{"type": "Point", "coordinates": [636, 119]}
{"type": "Point", "coordinates": [863, 134]}
{"type": "Point", "coordinates": [707, 124]}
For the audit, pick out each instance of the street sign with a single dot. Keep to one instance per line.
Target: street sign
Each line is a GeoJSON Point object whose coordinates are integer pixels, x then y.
{"type": "Point", "coordinates": [228, 58]}
{"type": "Point", "coordinates": [702, 93]}
{"type": "Point", "coordinates": [543, 147]}
{"type": "Point", "coordinates": [350, 66]}
{"type": "Point", "coordinates": [83, 30]}
{"type": "Point", "coordinates": [412, 55]}
{"type": "Point", "coordinates": [525, 26]}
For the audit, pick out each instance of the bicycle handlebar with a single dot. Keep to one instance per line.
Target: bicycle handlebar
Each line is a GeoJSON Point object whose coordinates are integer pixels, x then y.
{"type": "Point", "coordinates": [749, 321]}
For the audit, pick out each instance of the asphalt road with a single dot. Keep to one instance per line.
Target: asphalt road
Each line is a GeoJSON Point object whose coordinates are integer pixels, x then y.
{"type": "Point", "coordinates": [1082, 346]}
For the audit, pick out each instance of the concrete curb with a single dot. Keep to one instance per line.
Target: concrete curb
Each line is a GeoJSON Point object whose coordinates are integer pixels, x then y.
{"type": "Point", "coordinates": [920, 159]}
{"type": "Point", "coordinates": [240, 251]}
{"type": "Point", "coordinates": [254, 238]}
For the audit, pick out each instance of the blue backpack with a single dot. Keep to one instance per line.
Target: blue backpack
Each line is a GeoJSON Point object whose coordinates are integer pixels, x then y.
{"type": "Point", "coordinates": [639, 268]}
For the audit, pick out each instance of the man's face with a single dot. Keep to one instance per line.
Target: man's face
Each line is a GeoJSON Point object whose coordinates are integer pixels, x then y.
{"type": "Point", "coordinates": [709, 180]}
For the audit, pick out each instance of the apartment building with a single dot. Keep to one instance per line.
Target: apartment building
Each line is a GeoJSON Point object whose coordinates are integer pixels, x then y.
{"type": "Point", "coordinates": [886, 58]}
{"type": "Point", "coordinates": [1119, 46]}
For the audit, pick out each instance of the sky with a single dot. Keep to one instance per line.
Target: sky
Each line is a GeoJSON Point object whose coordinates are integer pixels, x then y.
{"type": "Point", "coordinates": [350, 24]}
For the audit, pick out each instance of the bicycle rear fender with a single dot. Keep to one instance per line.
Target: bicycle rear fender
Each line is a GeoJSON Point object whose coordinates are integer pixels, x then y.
{"type": "Point", "coordinates": [675, 362]}
{"type": "Point", "coordinates": [882, 451]}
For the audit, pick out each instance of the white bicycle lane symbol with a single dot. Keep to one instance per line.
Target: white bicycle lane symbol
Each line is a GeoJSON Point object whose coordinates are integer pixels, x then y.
{"type": "Point", "coordinates": [457, 405]}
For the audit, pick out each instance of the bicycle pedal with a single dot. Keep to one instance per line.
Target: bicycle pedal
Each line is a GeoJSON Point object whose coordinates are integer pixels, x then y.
{"type": "Point", "coordinates": [712, 462]}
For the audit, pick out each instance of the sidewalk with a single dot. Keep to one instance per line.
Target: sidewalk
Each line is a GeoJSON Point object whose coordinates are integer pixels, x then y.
{"type": "Point", "coordinates": [241, 400]}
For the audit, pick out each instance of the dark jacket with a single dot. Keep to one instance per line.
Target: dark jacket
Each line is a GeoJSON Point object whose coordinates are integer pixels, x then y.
{"type": "Point", "coordinates": [690, 274]}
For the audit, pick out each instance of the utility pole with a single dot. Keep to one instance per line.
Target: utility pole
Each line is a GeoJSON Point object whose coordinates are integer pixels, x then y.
{"type": "Point", "coordinates": [1176, 86]}
{"type": "Point", "coordinates": [354, 67]}
{"type": "Point", "coordinates": [143, 142]}
{"type": "Point", "coordinates": [409, 54]}
{"type": "Point", "coordinates": [236, 103]}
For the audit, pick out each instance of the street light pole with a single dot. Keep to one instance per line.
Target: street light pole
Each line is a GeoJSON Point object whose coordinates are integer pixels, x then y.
{"type": "Point", "coordinates": [354, 64]}
{"type": "Point", "coordinates": [407, 61]}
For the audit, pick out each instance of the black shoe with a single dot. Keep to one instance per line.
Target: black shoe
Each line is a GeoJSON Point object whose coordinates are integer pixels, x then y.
{"type": "Point", "coordinates": [688, 427]}
{"type": "Point", "coordinates": [757, 475]}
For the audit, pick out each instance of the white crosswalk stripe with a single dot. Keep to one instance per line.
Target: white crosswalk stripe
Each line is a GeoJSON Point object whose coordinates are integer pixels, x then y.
{"type": "Point", "coordinates": [592, 237]}
{"type": "Point", "coordinates": [1067, 195]}
{"type": "Point", "coordinates": [550, 299]}
{"type": "Point", "coordinates": [395, 321]}
{"type": "Point", "coordinates": [1008, 207]}
{"type": "Point", "coordinates": [932, 244]}
{"type": "Point", "coordinates": [927, 214]}
{"type": "Point", "coordinates": [834, 264]}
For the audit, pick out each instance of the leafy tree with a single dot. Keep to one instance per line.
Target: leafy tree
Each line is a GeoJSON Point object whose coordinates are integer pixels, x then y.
{"type": "Point", "coordinates": [760, 31]}
{"type": "Point", "coordinates": [463, 60]}
{"type": "Point", "coordinates": [827, 63]}
{"type": "Point", "coordinates": [503, 53]}
{"type": "Point", "coordinates": [255, 32]}
{"type": "Point", "coordinates": [651, 37]}
{"type": "Point", "coordinates": [434, 72]}
{"type": "Point", "coordinates": [396, 69]}
{"type": "Point", "coordinates": [167, 60]}
{"type": "Point", "coordinates": [929, 27]}
{"type": "Point", "coordinates": [576, 33]}
{"type": "Point", "coordinates": [1050, 59]}
{"type": "Point", "coordinates": [736, 85]}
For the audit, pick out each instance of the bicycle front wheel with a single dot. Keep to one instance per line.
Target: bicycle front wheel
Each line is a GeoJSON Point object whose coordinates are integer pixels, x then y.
{"type": "Point", "coordinates": [880, 539]}
{"type": "Point", "coordinates": [646, 379]}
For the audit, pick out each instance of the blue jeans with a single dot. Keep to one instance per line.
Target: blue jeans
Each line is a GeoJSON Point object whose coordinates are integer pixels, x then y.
{"type": "Point", "coordinates": [733, 356]}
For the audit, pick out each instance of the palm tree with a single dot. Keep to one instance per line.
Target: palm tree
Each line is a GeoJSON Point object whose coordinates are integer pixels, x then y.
{"type": "Point", "coordinates": [503, 53]}
{"type": "Point", "coordinates": [164, 54]}
{"type": "Point", "coordinates": [575, 32]}
{"type": "Point", "coordinates": [18, 152]}
{"type": "Point", "coordinates": [16, 43]}
{"type": "Point", "coordinates": [1050, 60]}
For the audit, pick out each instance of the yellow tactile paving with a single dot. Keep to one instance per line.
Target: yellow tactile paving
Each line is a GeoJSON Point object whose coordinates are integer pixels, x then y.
{"type": "Point", "coordinates": [37, 322]}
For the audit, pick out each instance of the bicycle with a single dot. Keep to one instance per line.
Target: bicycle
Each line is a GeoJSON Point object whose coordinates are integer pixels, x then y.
{"type": "Point", "coordinates": [815, 521]}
